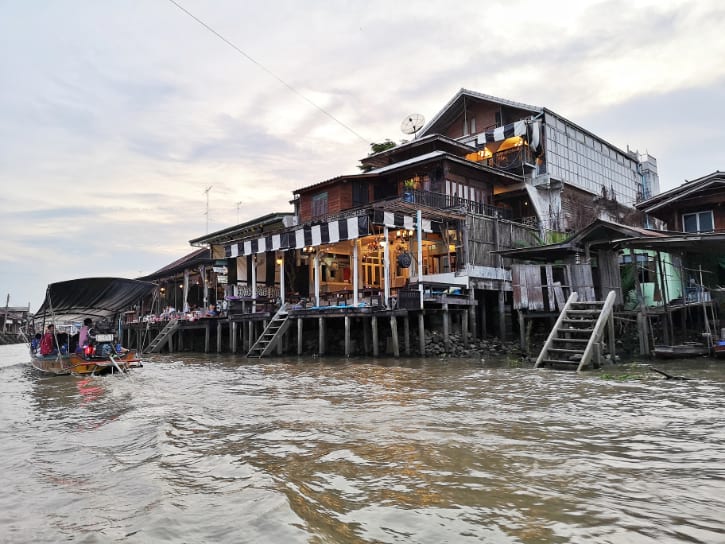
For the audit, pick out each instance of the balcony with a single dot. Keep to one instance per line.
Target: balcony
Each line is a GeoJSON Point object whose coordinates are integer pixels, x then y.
{"type": "Point", "coordinates": [447, 202]}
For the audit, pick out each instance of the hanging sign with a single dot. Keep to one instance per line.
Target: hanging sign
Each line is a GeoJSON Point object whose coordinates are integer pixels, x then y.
{"type": "Point", "coordinates": [222, 279]}
{"type": "Point", "coordinates": [220, 269]}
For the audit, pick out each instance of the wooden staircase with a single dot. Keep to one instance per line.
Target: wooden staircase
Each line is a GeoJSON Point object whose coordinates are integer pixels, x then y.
{"type": "Point", "coordinates": [271, 334]}
{"type": "Point", "coordinates": [164, 334]}
{"type": "Point", "coordinates": [576, 337]}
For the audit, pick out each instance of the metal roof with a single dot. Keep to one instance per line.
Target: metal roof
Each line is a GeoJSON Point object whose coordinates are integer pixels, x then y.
{"type": "Point", "coordinates": [243, 229]}
{"type": "Point", "coordinates": [669, 197]}
{"type": "Point", "coordinates": [446, 115]}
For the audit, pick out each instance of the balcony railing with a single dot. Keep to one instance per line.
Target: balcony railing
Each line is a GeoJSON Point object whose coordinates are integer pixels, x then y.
{"type": "Point", "coordinates": [514, 157]}
{"type": "Point", "coordinates": [441, 201]}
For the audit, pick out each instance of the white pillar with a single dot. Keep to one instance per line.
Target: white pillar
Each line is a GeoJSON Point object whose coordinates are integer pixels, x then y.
{"type": "Point", "coordinates": [254, 283]}
{"type": "Point", "coordinates": [316, 273]}
{"type": "Point", "coordinates": [281, 277]}
{"type": "Point", "coordinates": [354, 273]}
{"type": "Point", "coordinates": [419, 229]}
{"type": "Point", "coordinates": [386, 266]}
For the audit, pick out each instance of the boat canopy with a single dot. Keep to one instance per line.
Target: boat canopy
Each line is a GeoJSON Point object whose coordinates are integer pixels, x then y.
{"type": "Point", "coordinates": [75, 300]}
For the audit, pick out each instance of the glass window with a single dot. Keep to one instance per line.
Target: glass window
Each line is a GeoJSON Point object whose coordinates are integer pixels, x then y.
{"type": "Point", "coordinates": [698, 222]}
{"type": "Point", "coordinates": [319, 204]}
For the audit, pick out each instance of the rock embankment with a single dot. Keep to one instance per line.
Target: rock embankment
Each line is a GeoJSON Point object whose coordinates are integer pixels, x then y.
{"type": "Point", "coordinates": [486, 347]}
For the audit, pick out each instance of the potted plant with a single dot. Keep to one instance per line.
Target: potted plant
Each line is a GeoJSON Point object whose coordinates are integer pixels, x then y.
{"type": "Point", "coordinates": [408, 187]}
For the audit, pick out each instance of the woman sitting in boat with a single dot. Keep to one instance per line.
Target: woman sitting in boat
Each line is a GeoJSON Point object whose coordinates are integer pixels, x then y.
{"type": "Point", "coordinates": [47, 344]}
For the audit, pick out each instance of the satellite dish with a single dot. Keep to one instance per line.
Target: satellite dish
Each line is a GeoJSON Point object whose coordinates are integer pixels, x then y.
{"type": "Point", "coordinates": [412, 123]}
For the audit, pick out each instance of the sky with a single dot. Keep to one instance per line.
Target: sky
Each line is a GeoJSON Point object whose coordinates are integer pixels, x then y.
{"type": "Point", "coordinates": [117, 116]}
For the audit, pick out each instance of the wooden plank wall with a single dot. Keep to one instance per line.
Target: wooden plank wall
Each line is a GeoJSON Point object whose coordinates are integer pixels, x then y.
{"type": "Point", "coordinates": [482, 238]}
{"type": "Point", "coordinates": [580, 277]}
{"type": "Point", "coordinates": [609, 277]}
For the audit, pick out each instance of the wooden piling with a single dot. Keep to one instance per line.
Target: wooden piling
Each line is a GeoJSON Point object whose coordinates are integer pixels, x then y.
{"type": "Point", "coordinates": [374, 326]}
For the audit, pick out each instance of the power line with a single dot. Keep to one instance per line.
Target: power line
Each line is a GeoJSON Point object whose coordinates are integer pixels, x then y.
{"type": "Point", "coordinates": [270, 72]}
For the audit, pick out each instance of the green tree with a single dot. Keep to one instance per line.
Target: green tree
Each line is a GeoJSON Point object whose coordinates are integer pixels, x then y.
{"type": "Point", "coordinates": [377, 147]}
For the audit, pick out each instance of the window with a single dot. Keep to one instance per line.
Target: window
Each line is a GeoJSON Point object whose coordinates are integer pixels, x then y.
{"type": "Point", "coordinates": [698, 222]}
{"type": "Point", "coordinates": [319, 205]}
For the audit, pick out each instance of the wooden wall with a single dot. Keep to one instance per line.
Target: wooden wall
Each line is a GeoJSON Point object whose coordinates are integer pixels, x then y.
{"type": "Point", "coordinates": [486, 234]}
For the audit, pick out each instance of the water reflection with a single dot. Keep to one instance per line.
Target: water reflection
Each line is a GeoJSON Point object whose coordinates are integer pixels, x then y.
{"type": "Point", "coordinates": [196, 448]}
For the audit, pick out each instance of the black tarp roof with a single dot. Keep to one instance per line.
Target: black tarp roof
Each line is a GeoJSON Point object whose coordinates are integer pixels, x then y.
{"type": "Point", "coordinates": [77, 299]}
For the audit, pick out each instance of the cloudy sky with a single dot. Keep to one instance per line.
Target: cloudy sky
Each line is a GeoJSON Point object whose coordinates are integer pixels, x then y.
{"type": "Point", "coordinates": [115, 116]}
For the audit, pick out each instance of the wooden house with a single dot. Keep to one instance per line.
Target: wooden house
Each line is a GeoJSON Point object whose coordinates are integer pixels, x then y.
{"type": "Point", "coordinates": [695, 206]}
{"type": "Point", "coordinates": [570, 175]}
{"type": "Point", "coordinates": [419, 229]}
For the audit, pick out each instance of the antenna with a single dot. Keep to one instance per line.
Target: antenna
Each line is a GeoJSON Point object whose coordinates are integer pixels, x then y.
{"type": "Point", "coordinates": [412, 124]}
{"type": "Point", "coordinates": [207, 207]}
{"type": "Point", "coordinates": [238, 204]}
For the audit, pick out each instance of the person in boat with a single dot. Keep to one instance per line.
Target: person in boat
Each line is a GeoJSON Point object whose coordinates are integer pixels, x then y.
{"type": "Point", "coordinates": [35, 342]}
{"type": "Point", "coordinates": [47, 343]}
{"type": "Point", "coordinates": [83, 334]}
{"type": "Point", "coordinates": [211, 312]}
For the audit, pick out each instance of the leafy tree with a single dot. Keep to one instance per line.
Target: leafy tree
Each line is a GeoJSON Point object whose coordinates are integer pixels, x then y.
{"type": "Point", "coordinates": [377, 147]}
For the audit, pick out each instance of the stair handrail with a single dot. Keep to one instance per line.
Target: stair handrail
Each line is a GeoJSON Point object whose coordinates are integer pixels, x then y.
{"type": "Point", "coordinates": [170, 326]}
{"type": "Point", "coordinates": [598, 330]}
{"type": "Point", "coordinates": [281, 311]}
{"type": "Point", "coordinates": [554, 331]}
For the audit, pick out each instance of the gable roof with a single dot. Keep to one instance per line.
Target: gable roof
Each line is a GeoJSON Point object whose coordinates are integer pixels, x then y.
{"type": "Point", "coordinates": [452, 110]}
{"type": "Point", "coordinates": [238, 231]}
{"type": "Point", "coordinates": [597, 232]}
{"type": "Point", "coordinates": [716, 180]}
{"type": "Point", "coordinates": [190, 260]}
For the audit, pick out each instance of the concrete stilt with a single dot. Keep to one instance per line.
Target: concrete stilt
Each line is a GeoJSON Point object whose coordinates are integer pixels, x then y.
{"type": "Point", "coordinates": [322, 341]}
{"type": "Point", "coordinates": [406, 334]}
{"type": "Point", "coordinates": [299, 336]}
{"type": "Point", "coordinates": [446, 327]}
{"type": "Point", "coordinates": [421, 333]}
{"type": "Point", "coordinates": [374, 326]}
{"type": "Point", "coordinates": [394, 334]}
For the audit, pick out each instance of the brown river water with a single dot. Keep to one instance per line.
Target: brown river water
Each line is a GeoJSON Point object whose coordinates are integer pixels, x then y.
{"type": "Point", "coordinates": [207, 448]}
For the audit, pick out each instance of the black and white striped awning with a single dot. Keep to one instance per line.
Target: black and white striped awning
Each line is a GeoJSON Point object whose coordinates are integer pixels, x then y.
{"type": "Point", "coordinates": [501, 133]}
{"type": "Point", "coordinates": [398, 220]}
{"type": "Point", "coordinates": [530, 129]}
{"type": "Point", "coordinates": [325, 233]}
{"type": "Point", "coordinates": [309, 236]}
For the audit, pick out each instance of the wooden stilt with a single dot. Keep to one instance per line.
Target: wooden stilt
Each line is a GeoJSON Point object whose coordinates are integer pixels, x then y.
{"type": "Point", "coordinates": [374, 326]}
{"type": "Point", "coordinates": [347, 336]}
{"type": "Point", "coordinates": [233, 337]}
{"type": "Point", "coordinates": [171, 343]}
{"type": "Point", "coordinates": [207, 334]}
